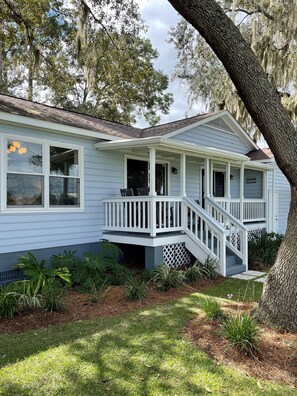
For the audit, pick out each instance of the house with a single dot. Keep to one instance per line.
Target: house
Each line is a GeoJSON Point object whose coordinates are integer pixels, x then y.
{"type": "Point", "coordinates": [198, 186]}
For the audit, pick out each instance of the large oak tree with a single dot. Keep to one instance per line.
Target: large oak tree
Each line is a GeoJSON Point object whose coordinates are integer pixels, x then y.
{"type": "Point", "coordinates": [270, 28]}
{"type": "Point", "coordinates": [278, 304]}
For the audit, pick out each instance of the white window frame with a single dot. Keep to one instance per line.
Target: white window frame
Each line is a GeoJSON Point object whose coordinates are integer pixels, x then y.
{"type": "Point", "coordinates": [46, 144]}
{"type": "Point", "coordinates": [145, 159]}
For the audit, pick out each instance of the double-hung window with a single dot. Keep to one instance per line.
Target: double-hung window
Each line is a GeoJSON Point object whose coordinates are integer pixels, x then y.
{"type": "Point", "coordinates": [42, 175]}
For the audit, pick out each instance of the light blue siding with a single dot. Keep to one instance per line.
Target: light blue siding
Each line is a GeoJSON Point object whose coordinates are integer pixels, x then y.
{"type": "Point", "coordinates": [205, 136]}
{"type": "Point", "coordinates": [103, 178]}
{"type": "Point", "coordinates": [282, 188]}
{"type": "Point", "coordinates": [253, 184]}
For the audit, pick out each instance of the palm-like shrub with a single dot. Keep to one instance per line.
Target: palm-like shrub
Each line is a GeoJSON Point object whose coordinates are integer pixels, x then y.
{"type": "Point", "coordinates": [242, 332]}
{"type": "Point", "coordinates": [39, 275]}
{"type": "Point", "coordinates": [165, 279]}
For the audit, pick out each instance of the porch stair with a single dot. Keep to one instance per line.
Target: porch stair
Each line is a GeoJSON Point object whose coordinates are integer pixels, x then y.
{"type": "Point", "coordinates": [217, 234]}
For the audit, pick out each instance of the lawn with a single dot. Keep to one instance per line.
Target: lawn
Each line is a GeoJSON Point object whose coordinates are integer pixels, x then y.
{"type": "Point", "coordinates": [143, 352]}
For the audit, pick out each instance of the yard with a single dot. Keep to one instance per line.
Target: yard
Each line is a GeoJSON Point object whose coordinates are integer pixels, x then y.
{"type": "Point", "coordinates": [147, 351]}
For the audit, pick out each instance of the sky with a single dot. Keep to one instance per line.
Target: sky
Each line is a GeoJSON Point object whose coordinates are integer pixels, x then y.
{"type": "Point", "coordinates": [159, 15]}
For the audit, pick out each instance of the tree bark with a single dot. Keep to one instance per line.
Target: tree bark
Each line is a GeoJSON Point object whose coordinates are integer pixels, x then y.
{"type": "Point", "coordinates": [278, 302]}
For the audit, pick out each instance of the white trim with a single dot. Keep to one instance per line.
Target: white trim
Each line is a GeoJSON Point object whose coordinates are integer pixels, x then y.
{"type": "Point", "coordinates": [45, 144]}
{"type": "Point", "coordinates": [172, 146]}
{"type": "Point", "coordinates": [33, 123]}
{"type": "Point", "coordinates": [146, 159]}
{"type": "Point", "coordinates": [227, 117]}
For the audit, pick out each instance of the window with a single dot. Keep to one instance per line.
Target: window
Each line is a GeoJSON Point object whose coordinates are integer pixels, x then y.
{"type": "Point", "coordinates": [64, 180]}
{"type": "Point", "coordinates": [42, 175]}
{"type": "Point", "coordinates": [24, 174]}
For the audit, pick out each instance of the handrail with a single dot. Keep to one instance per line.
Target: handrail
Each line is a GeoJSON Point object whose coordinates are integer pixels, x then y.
{"type": "Point", "coordinates": [206, 232]}
{"type": "Point", "coordinates": [224, 212]}
{"type": "Point", "coordinates": [237, 237]}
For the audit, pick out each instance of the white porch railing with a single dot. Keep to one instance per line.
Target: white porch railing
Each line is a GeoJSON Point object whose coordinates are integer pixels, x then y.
{"type": "Point", "coordinates": [143, 214]}
{"type": "Point", "coordinates": [237, 236]}
{"type": "Point", "coordinates": [206, 231]}
{"type": "Point", "coordinates": [253, 209]}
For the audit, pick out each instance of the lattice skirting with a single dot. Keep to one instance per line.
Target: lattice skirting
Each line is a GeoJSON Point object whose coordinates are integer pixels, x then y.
{"type": "Point", "coordinates": [10, 276]}
{"type": "Point", "coordinates": [256, 232]}
{"type": "Point", "coordinates": [176, 255]}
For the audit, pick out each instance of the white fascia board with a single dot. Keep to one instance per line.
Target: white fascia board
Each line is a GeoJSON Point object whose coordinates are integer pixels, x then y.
{"type": "Point", "coordinates": [237, 128]}
{"type": "Point", "coordinates": [173, 146]}
{"type": "Point", "coordinates": [14, 119]}
{"type": "Point", "coordinates": [260, 166]}
{"type": "Point", "coordinates": [195, 124]}
{"type": "Point", "coordinates": [230, 120]}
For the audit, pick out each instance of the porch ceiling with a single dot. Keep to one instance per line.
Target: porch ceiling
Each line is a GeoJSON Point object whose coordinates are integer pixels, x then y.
{"type": "Point", "coordinates": [177, 147]}
{"type": "Point", "coordinates": [171, 146]}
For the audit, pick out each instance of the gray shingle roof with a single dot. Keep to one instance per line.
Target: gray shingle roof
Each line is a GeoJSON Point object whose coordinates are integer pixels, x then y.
{"type": "Point", "coordinates": [257, 155]}
{"type": "Point", "coordinates": [163, 129]}
{"type": "Point", "coordinates": [22, 107]}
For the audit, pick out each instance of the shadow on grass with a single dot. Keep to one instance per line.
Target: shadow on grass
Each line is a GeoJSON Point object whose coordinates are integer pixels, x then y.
{"type": "Point", "coordinates": [140, 353]}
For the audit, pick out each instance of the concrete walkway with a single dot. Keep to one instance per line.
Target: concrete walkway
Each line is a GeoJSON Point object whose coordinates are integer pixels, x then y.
{"type": "Point", "coordinates": [256, 276]}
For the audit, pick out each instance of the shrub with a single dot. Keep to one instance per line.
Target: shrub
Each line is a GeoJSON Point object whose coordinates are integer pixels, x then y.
{"type": "Point", "coordinates": [135, 289]}
{"type": "Point", "coordinates": [165, 279]}
{"type": "Point", "coordinates": [39, 275]}
{"type": "Point", "coordinates": [146, 275]}
{"type": "Point", "coordinates": [194, 273]}
{"type": "Point", "coordinates": [263, 248]}
{"type": "Point", "coordinates": [66, 260]}
{"type": "Point", "coordinates": [53, 297]}
{"type": "Point", "coordinates": [242, 332]}
{"type": "Point", "coordinates": [8, 302]}
{"type": "Point", "coordinates": [209, 268]}
{"type": "Point", "coordinates": [212, 309]}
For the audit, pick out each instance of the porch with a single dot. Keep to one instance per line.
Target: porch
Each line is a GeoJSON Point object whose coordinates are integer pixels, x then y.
{"type": "Point", "coordinates": [205, 198]}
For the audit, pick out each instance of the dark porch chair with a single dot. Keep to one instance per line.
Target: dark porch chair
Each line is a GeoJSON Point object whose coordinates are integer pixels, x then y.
{"type": "Point", "coordinates": [127, 192]}
{"type": "Point", "coordinates": [142, 191]}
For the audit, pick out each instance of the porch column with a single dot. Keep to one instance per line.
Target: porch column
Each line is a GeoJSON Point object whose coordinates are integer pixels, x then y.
{"type": "Point", "coordinates": [206, 181]}
{"type": "Point", "coordinates": [183, 175]}
{"type": "Point", "coordinates": [152, 165]}
{"type": "Point", "coordinates": [210, 178]}
{"type": "Point", "coordinates": [241, 192]}
{"type": "Point", "coordinates": [228, 191]}
{"type": "Point", "coordinates": [265, 195]}
{"type": "Point", "coordinates": [273, 227]}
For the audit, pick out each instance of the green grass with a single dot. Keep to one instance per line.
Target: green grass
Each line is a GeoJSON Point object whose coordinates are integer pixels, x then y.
{"type": "Point", "coordinates": [242, 290]}
{"type": "Point", "coordinates": [140, 353]}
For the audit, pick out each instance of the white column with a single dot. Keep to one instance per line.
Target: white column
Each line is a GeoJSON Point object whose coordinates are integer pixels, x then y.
{"type": "Point", "coordinates": [183, 192]}
{"type": "Point", "coordinates": [273, 209]}
{"type": "Point", "coordinates": [152, 166]}
{"type": "Point", "coordinates": [206, 177]}
{"type": "Point", "coordinates": [241, 190]}
{"type": "Point", "coordinates": [228, 191]}
{"type": "Point", "coordinates": [210, 180]}
{"type": "Point", "coordinates": [265, 194]}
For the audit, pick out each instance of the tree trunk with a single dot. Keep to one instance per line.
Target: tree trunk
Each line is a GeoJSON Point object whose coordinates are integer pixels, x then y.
{"type": "Point", "coordinates": [278, 303]}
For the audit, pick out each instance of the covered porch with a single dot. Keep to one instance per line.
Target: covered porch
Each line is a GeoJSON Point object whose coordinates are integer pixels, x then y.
{"type": "Point", "coordinates": [213, 196]}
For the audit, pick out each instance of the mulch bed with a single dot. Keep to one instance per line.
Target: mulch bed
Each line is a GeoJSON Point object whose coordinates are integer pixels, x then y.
{"type": "Point", "coordinates": [276, 358]}
{"type": "Point", "coordinates": [78, 306]}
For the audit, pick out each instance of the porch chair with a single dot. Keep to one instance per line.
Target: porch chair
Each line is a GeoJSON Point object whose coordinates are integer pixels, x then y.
{"type": "Point", "coordinates": [142, 191]}
{"type": "Point", "coordinates": [127, 192]}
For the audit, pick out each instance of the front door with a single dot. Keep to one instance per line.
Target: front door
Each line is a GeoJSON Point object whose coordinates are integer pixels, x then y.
{"type": "Point", "coordinates": [218, 184]}
{"type": "Point", "coordinates": [138, 176]}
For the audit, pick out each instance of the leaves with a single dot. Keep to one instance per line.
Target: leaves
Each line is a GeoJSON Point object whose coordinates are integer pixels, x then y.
{"type": "Point", "coordinates": [270, 28]}
{"type": "Point", "coordinates": [89, 57]}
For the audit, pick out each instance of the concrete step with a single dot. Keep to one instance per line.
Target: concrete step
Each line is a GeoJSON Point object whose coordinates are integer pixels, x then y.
{"type": "Point", "coordinates": [235, 269]}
